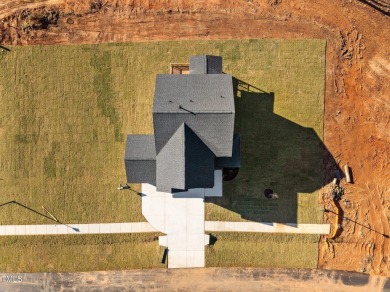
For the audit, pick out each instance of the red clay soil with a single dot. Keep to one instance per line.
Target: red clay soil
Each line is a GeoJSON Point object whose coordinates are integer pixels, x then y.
{"type": "Point", "coordinates": [357, 101]}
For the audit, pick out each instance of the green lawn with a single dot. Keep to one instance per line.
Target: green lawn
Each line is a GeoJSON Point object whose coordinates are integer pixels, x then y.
{"type": "Point", "coordinates": [65, 112]}
{"type": "Point", "coordinates": [80, 252]}
{"type": "Point", "coordinates": [263, 250]}
{"type": "Point", "coordinates": [279, 115]}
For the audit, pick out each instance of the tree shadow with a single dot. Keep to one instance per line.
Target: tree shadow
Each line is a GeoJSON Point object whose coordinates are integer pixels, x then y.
{"type": "Point", "coordinates": [276, 154]}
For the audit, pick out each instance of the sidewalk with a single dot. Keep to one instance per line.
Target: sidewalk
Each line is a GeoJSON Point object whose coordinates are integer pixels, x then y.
{"type": "Point", "coordinates": [181, 218]}
{"type": "Point", "coordinates": [56, 229]}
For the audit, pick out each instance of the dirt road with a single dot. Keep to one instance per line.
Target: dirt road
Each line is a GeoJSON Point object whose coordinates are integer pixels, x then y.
{"type": "Point", "coordinates": [357, 103]}
{"type": "Point", "coordinates": [208, 279]}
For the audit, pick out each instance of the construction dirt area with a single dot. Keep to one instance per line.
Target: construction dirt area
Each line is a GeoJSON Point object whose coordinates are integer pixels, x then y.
{"type": "Point", "coordinates": [357, 98]}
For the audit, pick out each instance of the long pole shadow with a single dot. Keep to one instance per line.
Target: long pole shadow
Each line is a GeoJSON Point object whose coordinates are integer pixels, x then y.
{"type": "Point", "coordinates": [5, 48]}
{"type": "Point", "coordinates": [138, 193]}
{"type": "Point", "coordinates": [39, 213]}
{"type": "Point", "coordinates": [358, 223]}
{"type": "Point", "coordinates": [378, 6]}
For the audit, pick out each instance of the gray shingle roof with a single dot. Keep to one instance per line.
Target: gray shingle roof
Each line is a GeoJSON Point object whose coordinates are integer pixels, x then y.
{"type": "Point", "coordinates": [206, 64]}
{"type": "Point", "coordinates": [140, 159]}
{"type": "Point", "coordinates": [235, 160]}
{"type": "Point", "coordinates": [170, 164]}
{"type": "Point", "coordinates": [204, 102]}
{"type": "Point", "coordinates": [140, 147]}
{"type": "Point", "coordinates": [193, 117]}
{"type": "Point", "coordinates": [185, 162]}
{"type": "Point", "coordinates": [141, 171]}
{"type": "Point", "coordinates": [197, 93]}
{"type": "Point", "coordinates": [199, 162]}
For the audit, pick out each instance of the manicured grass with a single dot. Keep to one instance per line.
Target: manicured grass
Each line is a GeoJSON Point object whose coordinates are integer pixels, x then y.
{"type": "Point", "coordinates": [263, 250]}
{"type": "Point", "coordinates": [63, 124]}
{"type": "Point", "coordinates": [80, 252]}
{"type": "Point", "coordinates": [65, 112]}
{"type": "Point", "coordinates": [279, 115]}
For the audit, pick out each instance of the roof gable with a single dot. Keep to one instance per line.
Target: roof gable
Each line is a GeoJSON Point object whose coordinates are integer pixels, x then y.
{"type": "Point", "coordinates": [199, 162]}
{"type": "Point", "coordinates": [205, 102]}
{"type": "Point", "coordinates": [184, 162]}
{"type": "Point", "coordinates": [170, 164]}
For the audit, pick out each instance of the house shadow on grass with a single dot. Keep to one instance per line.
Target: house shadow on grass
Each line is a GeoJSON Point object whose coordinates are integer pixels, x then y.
{"type": "Point", "coordinates": [276, 154]}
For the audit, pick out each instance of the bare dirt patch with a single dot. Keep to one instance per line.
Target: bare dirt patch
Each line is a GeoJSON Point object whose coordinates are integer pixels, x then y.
{"type": "Point", "coordinates": [357, 107]}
